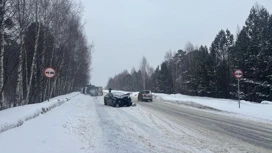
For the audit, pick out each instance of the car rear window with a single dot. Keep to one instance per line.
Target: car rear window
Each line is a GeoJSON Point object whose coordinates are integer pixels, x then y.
{"type": "Point", "coordinates": [146, 92]}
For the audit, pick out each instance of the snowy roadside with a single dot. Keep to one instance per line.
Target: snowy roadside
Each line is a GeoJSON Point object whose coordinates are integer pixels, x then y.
{"type": "Point", "coordinates": [14, 117]}
{"type": "Point", "coordinates": [248, 109]}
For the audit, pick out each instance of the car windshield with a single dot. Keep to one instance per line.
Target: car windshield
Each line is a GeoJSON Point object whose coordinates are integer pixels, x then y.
{"type": "Point", "coordinates": [117, 93]}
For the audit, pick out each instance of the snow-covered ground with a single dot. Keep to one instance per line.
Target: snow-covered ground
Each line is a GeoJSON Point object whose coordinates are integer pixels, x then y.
{"type": "Point", "coordinates": [247, 109]}
{"type": "Point", "coordinates": [42, 134]}
{"type": "Point", "coordinates": [14, 117]}
{"type": "Point", "coordinates": [85, 125]}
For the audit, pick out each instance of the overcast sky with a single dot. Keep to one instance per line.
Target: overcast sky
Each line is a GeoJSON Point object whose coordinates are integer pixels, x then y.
{"type": "Point", "coordinates": [123, 31]}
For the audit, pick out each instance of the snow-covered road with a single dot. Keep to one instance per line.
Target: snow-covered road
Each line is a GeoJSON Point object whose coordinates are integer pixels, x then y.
{"type": "Point", "coordinates": [85, 125]}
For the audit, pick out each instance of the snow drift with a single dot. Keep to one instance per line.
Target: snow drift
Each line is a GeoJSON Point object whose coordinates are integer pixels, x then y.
{"type": "Point", "coordinates": [14, 117]}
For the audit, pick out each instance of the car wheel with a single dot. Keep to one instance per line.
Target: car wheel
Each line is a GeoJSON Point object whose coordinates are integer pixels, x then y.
{"type": "Point", "coordinates": [129, 104]}
{"type": "Point", "coordinates": [117, 104]}
{"type": "Point", "coordinates": [105, 102]}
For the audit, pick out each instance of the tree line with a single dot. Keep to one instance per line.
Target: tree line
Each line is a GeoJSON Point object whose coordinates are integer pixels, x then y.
{"type": "Point", "coordinates": [203, 71]}
{"type": "Point", "coordinates": [35, 34]}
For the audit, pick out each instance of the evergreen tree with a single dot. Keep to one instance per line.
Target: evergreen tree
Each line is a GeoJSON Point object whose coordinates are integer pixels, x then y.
{"type": "Point", "coordinates": [220, 54]}
{"type": "Point", "coordinates": [165, 79]}
{"type": "Point", "coordinates": [180, 71]}
{"type": "Point", "coordinates": [203, 72]}
{"type": "Point", "coordinates": [256, 55]}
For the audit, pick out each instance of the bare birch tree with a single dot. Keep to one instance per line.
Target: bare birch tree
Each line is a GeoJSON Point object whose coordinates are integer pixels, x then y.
{"type": "Point", "coordinates": [47, 33]}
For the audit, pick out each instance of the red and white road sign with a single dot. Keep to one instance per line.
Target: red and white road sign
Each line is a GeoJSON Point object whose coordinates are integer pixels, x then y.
{"type": "Point", "coordinates": [49, 72]}
{"type": "Point", "coordinates": [238, 74]}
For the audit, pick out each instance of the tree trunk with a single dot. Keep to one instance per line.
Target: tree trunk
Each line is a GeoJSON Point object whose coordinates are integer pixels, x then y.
{"type": "Point", "coordinates": [42, 68]}
{"type": "Point", "coordinates": [19, 86]}
{"type": "Point", "coordinates": [2, 51]}
{"type": "Point", "coordinates": [56, 77]}
{"type": "Point", "coordinates": [33, 65]}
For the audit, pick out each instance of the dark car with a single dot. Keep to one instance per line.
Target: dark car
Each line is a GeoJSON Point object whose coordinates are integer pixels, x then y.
{"type": "Point", "coordinates": [117, 99]}
{"type": "Point", "coordinates": [145, 95]}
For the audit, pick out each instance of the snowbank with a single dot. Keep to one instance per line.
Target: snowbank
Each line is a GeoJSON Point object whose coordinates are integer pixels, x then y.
{"type": "Point", "coordinates": [14, 117]}
{"type": "Point", "coordinates": [266, 102]}
{"type": "Point", "coordinates": [249, 109]}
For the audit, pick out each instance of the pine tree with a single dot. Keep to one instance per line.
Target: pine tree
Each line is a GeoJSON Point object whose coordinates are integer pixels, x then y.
{"type": "Point", "coordinates": [180, 71]}
{"type": "Point", "coordinates": [203, 71]}
{"type": "Point", "coordinates": [155, 80]}
{"type": "Point", "coordinates": [268, 66]}
{"type": "Point", "coordinates": [220, 54]}
{"type": "Point", "coordinates": [165, 79]}
{"type": "Point", "coordinates": [256, 54]}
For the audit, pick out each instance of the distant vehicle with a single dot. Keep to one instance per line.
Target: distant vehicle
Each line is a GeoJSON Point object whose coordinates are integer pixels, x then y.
{"type": "Point", "coordinates": [117, 99]}
{"type": "Point", "coordinates": [92, 90]}
{"type": "Point", "coordinates": [145, 95]}
{"type": "Point", "coordinates": [100, 91]}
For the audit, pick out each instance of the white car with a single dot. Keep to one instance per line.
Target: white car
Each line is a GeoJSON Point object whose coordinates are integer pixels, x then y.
{"type": "Point", "coordinates": [145, 95]}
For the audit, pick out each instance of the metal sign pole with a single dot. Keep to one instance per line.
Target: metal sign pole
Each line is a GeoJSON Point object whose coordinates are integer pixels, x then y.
{"type": "Point", "coordinates": [48, 93]}
{"type": "Point", "coordinates": [239, 91]}
{"type": "Point", "coordinates": [238, 74]}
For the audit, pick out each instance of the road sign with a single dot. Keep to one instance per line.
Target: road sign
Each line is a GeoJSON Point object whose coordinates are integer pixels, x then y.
{"type": "Point", "coordinates": [238, 74]}
{"type": "Point", "coordinates": [49, 72]}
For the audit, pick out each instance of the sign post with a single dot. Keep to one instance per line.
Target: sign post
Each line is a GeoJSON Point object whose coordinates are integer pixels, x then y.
{"type": "Point", "coordinates": [49, 73]}
{"type": "Point", "coordinates": [238, 74]}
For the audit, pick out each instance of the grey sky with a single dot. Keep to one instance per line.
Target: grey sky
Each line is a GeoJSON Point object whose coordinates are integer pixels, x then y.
{"type": "Point", "coordinates": [123, 31]}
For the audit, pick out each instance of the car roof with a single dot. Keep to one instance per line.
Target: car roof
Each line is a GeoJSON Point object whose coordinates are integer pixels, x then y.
{"type": "Point", "coordinates": [146, 90]}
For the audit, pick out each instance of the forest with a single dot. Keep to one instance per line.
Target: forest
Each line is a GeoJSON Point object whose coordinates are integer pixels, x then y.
{"type": "Point", "coordinates": [35, 34]}
{"type": "Point", "coordinates": [208, 70]}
